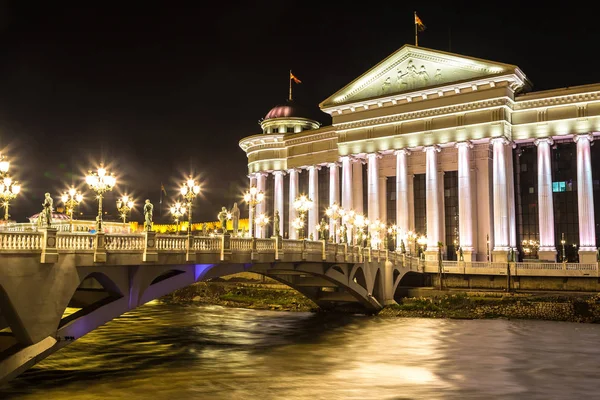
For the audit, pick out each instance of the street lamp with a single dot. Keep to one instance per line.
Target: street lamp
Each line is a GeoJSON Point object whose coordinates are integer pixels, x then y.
{"type": "Point", "coordinates": [189, 190]}
{"type": "Point", "coordinates": [302, 204]}
{"type": "Point", "coordinates": [360, 222]}
{"type": "Point", "coordinates": [100, 182]}
{"type": "Point", "coordinates": [349, 218]}
{"type": "Point", "coordinates": [262, 220]}
{"type": "Point", "coordinates": [9, 190]}
{"type": "Point", "coordinates": [4, 165]}
{"type": "Point", "coordinates": [252, 197]}
{"type": "Point", "coordinates": [422, 240]}
{"type": "Point", "coordinates": [334, 212]}
{"type": "Point", "coordinates": [71, 199]}
{"type": "Point", "coordinates": [124, 205]}
{"type": "Point", "coordinates": [178, 210]}
{"type": "Point", "coordinates": [393, 230]}
{"type": "Point", "coordinates": [377, 227]}
{"type": "Point", "coordinates": [562, 242]}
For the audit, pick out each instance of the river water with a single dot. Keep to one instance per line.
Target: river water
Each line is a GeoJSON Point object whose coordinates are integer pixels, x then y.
{"type": "Point", "coordinates": [164, 351]}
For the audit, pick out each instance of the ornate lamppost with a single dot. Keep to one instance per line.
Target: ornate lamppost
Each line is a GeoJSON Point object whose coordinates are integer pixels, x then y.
{"type": "Point", "coordinates": [298, 224]}
{"type": "Point", "coordinates": [360, 222]}
{"type": "Point", "coordinates": [124, 205]}
{"type": "Point", "coordinates": [334, 212]}
{"type": "Point", "coordinates": [262, 220]}
{"type": "Point", "coordinates": [4, 165]}
{"type": "Point", "coordinates": [302, 204]}
{"type": "Point", "coordinates": [9, 190]}
{"type": "Point", "coordinates": [422, 240]}
{"type": "Point", "coordinates": [189, 190]}
{"type": "Point", "coordinates": [377, 228]}
{"type": "Point", "coordinates": [393, 230]}
{"type": "Point", "coordinates": [562, 242]}
{"type": "Point", "coordinates": [252, 197]}
{"type": "Point", "coordinates": [177, 210]}
{"type": "Point", "coordinates": [100, 182]}
{"type": "Point", "coordinates": [349, 218]}
{"type": "Point", "coordinates": [71, 199]}
{"type": "Point", "coordinates": [411, 237]}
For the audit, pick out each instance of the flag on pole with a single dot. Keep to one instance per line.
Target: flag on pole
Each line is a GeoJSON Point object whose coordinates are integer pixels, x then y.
{"type": "Point", "coordinates": [293, 78]}
{"type": "Point", "coordinates": [419, 24]}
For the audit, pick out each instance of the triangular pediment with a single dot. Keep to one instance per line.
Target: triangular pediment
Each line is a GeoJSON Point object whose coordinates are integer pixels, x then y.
{"type": "Point", "coordinates": [414, 68]}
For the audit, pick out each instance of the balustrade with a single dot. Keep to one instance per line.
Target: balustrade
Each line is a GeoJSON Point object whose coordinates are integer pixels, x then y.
{"type": "Point", "coordinates": [20, 241]}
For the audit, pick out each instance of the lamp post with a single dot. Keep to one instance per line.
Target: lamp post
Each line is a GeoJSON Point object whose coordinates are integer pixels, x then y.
{"type": "Point", "coordinates": [562, 242]}
{"type": "Point", "coordinates": [252, 197]}
{"type": "Point", "coordinates": [177, 210]}
{"type": "Point", "coordinates": [124, 205]}
{"type": "Point", "coordinates": [100, 182]}
{"type": "Point", "coordinates": [262, 220]}
{"type": "Point", "coordinates": [334, 212]}
{"type": "Point", "coordinates": [189, 190]}
{"type": "Point", "coordinates": [422, 240]}
{"type": "Point", "coordinates": [377, 227]}
{"type": "Point", "coordinates": [4, 165]}
{"type": "Point", "coordinates": [360, 222]}
{"type": "Point", "coordinates": [349, 218]}
{"type": "Point", "coordinates": [393, 230]}
{"type": "Point", "coordinates": [298, 224]}
{"type": "Point", "coordinates": [302, 204]}
{"type": "Point", "coordinates": [71, 199]}
{"type": "Point", "coordinates": [9, 190]}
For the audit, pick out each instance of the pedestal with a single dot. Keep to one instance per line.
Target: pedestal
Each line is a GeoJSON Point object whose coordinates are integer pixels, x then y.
{"type": "Point", "coordinates": [547, 254]}
{"type": "Point", "coordinates": [49, 250]}
{"type": "Point", "coordinates": [431, 255]}
{"type": "Point", "coordinates": [588, 256]}
{"type": "Point", "coordinates": [99, 247]}
{"type": "Point", "coordinates": [500, 255]}
{"type": "Point", "coordinates": [468, 255]}
{"type": "Point", "coordinates": [150, 252]}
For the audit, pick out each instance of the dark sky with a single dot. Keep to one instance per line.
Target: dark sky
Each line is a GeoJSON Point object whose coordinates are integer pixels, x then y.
{"type": "Point", "coordinates": [156, 89]}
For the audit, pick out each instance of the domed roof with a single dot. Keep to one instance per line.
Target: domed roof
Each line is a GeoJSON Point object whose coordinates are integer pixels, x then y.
{"type": "Point", "coordinates": [287, 110]}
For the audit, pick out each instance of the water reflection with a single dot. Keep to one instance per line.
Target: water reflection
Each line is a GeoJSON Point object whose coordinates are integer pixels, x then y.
{"type": "Point", "coordinates": [195, 352]}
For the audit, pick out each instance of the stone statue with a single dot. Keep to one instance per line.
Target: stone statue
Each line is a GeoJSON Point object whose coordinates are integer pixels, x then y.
{"type": "Point", "coordinates": [402, 247]}
{"type": "Point", "coordinates": [235, 218]}
{"type": "Point", "coordinates": [461, 256]}
{"type": "Point", "coordinates": [311, 237]}
{"type": "Point", "coordinates": [148, 210]}
{"type": "Point", "coordinates": [276, 224]}
{"type": "Point", "coordinates": [47, 204]}
{"type": "Point", "coordinates": [222, 216]}
{"type": "Point", "coordinates": [204, 229]}
{"type": "Point", "coordinates": [322, 228]}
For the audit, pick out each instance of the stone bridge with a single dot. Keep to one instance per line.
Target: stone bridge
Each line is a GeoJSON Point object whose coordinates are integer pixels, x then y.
{"type": "Point", "coordinates": [42, 273]}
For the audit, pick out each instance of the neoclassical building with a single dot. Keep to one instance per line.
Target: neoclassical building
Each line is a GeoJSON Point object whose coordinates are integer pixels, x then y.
{"type": "Point", "coordinates": [455, 148]}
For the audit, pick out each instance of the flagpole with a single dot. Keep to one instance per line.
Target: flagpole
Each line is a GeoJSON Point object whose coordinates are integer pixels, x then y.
{"type": "Point", "coordinates": [290, 96]}
{"type": "Point", "coordinates": [416, 30]}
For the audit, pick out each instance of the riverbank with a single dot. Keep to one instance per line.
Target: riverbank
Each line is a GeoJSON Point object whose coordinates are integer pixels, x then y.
{"type": "Point", "coordinates": [247, 292]}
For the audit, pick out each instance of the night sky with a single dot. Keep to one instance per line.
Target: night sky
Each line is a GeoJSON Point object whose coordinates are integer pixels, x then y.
{"type": "Point", "coordinates": [156, 91]}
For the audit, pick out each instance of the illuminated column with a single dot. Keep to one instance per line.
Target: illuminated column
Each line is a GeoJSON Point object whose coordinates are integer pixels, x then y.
{"type": "Point", "coordinates": [402, 195]}
{"type": "Point", "coordinates": [293, 234]}
{"type": "Point", "coordinates": [372, 187]}
{"type": "Point", "coordinates": [501, 235]}
{"type": "Point", "coordinates": [278, 199]}
{"type": "Point", "coordinates": [382, 198]}
{"type": "Point", "coordinates": [432, 199]}
{"type": "Point", "coordinates": [334, 190]}
{"type": "Point", "coordinates": [585, 200]}
{"type": "Point", "coordinates": [547, 250]}
{"type": "Point", "coordinates": [313, 194]}
{"type": "Point", "coordinates": [260, 208]}
{"type": "Point", "coordinates": [357, 186]}
{"type": "Point", "coordinates": [251, 213]}
{"type": "Point", "coordinates": [465, 200]}
{"type": "Point", "coordinates": [510, 181]}
{"type": "Point", "coordinates": [347, 183]}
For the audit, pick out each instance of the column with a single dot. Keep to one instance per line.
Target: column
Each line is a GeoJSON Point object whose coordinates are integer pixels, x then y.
{"type": "Point", "coordinates": [547, 249]}
{"type": "Point", "coordinates": [433, 204]}
{"type": "Point", "coordinates": [512, 217]}
{"type": "Point", "coordinates": [278, 199]}
{"type": "Point", "coordinates": [585, 200]}
{"type": "Point", "coordinates": [293, 194]}
{"type": "Point", "coordinates": [402, 196]}
{"type": "Point", "coordinates": [251, 213]}
{"type": "Point", "coordinates": [313, 194]}
{"type": "Point", "coordinates": [500, 193]}
{"type": "Point", "coordinates": [334, 191]}
{"type": "Point", "coordinates": [260, 208]}
{"type": "Point", "coordinates": [383, 198]}
{"type": "Point", "coordinates": [357, 186]}
{"type": "Point", "coordinates": [347, 183]}
{"type": "Point", "coordinates": [465, 200]}
{"type": "Point", "coordinates": [372, 187]}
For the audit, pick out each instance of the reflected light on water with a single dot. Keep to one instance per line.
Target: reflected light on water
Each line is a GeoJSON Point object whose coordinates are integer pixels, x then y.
{"type": "Point", "coordinates": [163, 351]}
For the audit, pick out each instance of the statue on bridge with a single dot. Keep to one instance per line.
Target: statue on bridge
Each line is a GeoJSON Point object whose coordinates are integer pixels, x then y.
{"type": "Point", "coordinates": [204, 229]}
{"type": "Point", "coordinates": [148, 209]}
{"type": "Point", "coordinates": [47, 212]}
{"type": "Point", "coordinates": [276, 224]}
{"type": "Point", "coordinates": [235, 218]}
{"type": "Point", "coordinates": [222, 216]}
{"type": "Point", "coordinates": [322, 228]}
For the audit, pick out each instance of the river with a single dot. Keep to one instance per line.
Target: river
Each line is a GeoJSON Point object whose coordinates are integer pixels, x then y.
{"type": "Point", "coordinates": [165, 351]}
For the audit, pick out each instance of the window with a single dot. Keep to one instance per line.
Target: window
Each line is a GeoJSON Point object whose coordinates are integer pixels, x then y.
{"type": "Point", "coordinates": [451, 213]}
{"type": "Point", "coordinates": [420, 202]}
{"type": "Point", "coordinates": [559, 187]}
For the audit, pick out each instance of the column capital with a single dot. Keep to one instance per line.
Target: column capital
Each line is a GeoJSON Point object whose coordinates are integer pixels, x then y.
{"type": "Point", "coordinates": [466, 143]}
{"type": "Point", "coordinates": [315, 167]}
{"type": "Point", "coordinates": [279, 172]}
{"type": "Point", "coordinates": [375, 154]}
{"type": "Point", "coordinates": [543, 140]}
{"type": "Point", "coordinates": [261, 173]}
{"type": "Point", "coordinates": [499, 139]}
{"type": "Point", "coordinates": [333, 164]}
{"type": "Point", "coordinates": [433, 147]}
{"type": "Point", "coordinates": [587, 136]}
{"type": "Point", "coordinates": [290, 170]}
{"type": "Point", "coordinates": [402, 151]}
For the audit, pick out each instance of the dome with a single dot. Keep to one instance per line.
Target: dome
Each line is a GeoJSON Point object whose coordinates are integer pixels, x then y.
{"type": "Point", "coordinates": [287, 110]}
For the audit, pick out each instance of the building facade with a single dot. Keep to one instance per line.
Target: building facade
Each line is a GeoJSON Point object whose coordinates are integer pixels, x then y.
{"type": "Point", "coordinates": [452, 148]}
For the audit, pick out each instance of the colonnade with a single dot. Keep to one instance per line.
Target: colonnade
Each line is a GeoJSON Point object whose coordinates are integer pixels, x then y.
{"type": "Point", "coordinates": [504, 217]}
